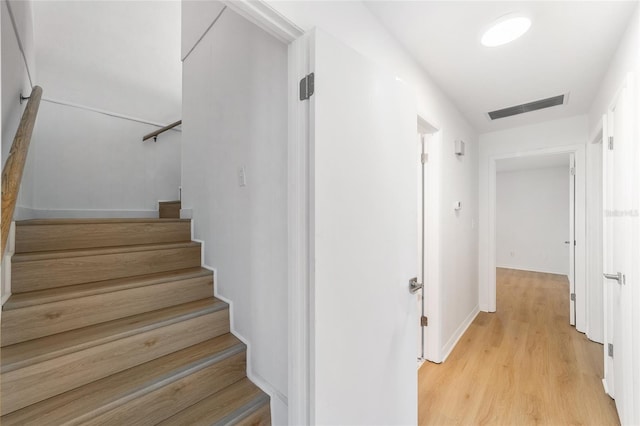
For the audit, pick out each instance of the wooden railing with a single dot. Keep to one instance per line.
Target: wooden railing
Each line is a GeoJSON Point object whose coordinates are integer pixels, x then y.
{"type": "Point", "coordinates": [14, 166]}
{"type": "Point", "coordinates": [155, 134]}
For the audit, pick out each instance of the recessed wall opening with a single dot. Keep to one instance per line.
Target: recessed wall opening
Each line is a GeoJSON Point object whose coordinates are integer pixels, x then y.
{"type": "Point", "coordinates": [535, 220]}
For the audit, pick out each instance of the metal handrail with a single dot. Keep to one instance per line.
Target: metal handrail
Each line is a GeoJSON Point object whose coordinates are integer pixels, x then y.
{"type": "Point", "coordinates": [155, 134]}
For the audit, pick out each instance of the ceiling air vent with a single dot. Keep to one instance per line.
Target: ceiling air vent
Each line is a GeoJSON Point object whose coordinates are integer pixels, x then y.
{"type": "Point", "coordinates": [528, 107]}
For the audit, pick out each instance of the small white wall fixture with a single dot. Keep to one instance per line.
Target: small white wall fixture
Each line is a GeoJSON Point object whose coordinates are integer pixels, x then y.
{"type": "Point", "coordinates": [579, 152]}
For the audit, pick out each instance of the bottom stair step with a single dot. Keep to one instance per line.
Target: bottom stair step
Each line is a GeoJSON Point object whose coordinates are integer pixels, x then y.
{"type": "Point", "coordinates": [239, 404]}
{"type": "Point", "coordinates": [148, 393]}
{"type": "Point", "coordinates": [42, 368]}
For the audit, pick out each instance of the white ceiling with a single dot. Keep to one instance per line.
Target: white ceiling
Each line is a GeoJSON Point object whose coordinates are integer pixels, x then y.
{"type": "Point", "coordinates": [567, 50]}
{"type": "Point", "coordinates": [545, 161]}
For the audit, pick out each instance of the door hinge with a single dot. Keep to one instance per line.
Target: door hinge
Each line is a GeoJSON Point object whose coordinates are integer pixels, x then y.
{"type": "Point", "coordinates": [573, 297]}
{"type": "Point", "coordinates": [610, 349]}
{"type": "Point", "coordinates": [424, 321]}
{"type": "Point", "coordinates": [424, 158]}
{"type": "Point", "coordinates": [610, 142]}
{"type": "Point", "coordinates": [307, 86]}
{"type": "Point", "coordinates": [573, 171]}
{"type": "Point", "coordinates": [575, 243]}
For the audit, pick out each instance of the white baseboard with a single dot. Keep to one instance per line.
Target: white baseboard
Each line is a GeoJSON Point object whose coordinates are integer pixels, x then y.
{"type": "Point", "coordinates": [254, 377]}
{"type": "Point", "coordinates": [594, 338]}
{"type": "Point", "coordinates": [606, 388]}
{"type": "Point", "coordinates": [528, 269]}
{"type": "Point", "coordinates": [265, 386]}
{"type": "Point", "coordinates": [25, 213]}
{"type": "Point", "coordinates": [457, 335]}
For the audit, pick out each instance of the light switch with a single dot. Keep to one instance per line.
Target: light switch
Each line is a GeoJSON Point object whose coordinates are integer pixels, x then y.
{"type": "Point", "coordinates": [242, 176]}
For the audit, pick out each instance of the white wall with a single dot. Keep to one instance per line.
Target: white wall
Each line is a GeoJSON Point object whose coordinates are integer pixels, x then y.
{"type": "Point", "coordinates": [121, 56]}
{"type": "Point", "coordinates": [625, 61]}
{"type": "Point", "coordinates": [354, 25]}
{"type": "Point", "coordinates": [15, 80]}
{"type": "Point", "coordinates": [558, 135]}
{"type": "Point", "coordinates": [532, 220]}
{"type": "Point", "coordinates": [235, 115]}
{"type": "Point", "coordinates": [110, 73]}
{"type": "Point", "coordinates": [88, 164]}
{"type": "Point", "coordinates": [15, 77]}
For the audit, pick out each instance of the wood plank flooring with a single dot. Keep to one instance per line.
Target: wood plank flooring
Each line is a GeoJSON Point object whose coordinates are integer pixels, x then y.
{"type": "Point", "coordinates": [522, 365]}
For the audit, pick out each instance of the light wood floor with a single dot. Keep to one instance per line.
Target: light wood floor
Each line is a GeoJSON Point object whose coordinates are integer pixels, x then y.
{"type": "Point", "coordinates": [522, 365]}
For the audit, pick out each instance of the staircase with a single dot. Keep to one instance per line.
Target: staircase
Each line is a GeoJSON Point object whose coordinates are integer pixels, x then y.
{"type": "Point", "coordinates": [113, 322]}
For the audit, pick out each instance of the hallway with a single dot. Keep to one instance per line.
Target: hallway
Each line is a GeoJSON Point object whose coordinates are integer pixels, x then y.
{"type": "Point", "coordinates": [523, 364]}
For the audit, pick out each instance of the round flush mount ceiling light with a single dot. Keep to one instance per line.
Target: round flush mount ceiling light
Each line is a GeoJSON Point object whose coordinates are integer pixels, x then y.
{"type": "Point", "coordinates": [505, 30]}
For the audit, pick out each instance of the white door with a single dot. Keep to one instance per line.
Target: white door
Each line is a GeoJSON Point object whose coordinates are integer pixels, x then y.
{"type": "Point", "coordinates": [364, 215]}
{"type": "Point", "coordinates": [617, 232]}
{"type": "Point", "coordinates": [572, 239]}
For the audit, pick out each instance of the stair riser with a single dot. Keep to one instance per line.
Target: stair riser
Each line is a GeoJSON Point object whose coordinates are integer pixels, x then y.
{"type": "Point", "coordinates": [169, 210]}
{"type": "Point", "coordinates": [33, 238]}
{"type": "Point", "coordinates": [229, 406]}
{"type": "Point", "coordinates": [62, 271]}
{"type": "Point", "coordinates": [37, 382]}
{"type": "Point", "coordinates": [28, 323]}
{"type": "Point", "coordinates": [156, 406]}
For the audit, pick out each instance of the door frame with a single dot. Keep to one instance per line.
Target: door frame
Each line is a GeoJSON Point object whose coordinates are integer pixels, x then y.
{"type": "Point", "coordinates": [432, 281]}
{"type": "Point", "coordinates": [299, 208]}
{"type": "Point", "coordinates": [580, 226]}
{"type": "Point", "coordinates": [594, 221]}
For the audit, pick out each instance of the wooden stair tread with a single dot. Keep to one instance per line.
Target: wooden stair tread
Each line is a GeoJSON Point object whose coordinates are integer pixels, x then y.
{"type": "Point", "coordinates": [60, 254]}
{"type": "Point", "coordinates": [38, 297]}
{"type": "Point", "coordinates": [31, 222]}
{"type": "Point", "coordinates": [228, 406]}
{"type": "Point", "coordinates": [103, 395]}
{"type": "Point", "coordinates": [73, 234]}
{"type": "Point", "coordinates": [38, 350]}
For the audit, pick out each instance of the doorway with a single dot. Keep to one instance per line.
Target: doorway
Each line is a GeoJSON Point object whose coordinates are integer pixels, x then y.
{"type": "Point", "coordinates": [579, 287]}
{"type": "Point", "coordinates": [535, 216]}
